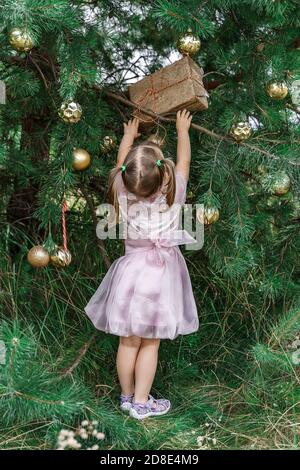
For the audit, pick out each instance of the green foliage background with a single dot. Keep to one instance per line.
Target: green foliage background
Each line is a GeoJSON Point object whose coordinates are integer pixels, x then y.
{"type": "Point", "coordinates": [234, 380]}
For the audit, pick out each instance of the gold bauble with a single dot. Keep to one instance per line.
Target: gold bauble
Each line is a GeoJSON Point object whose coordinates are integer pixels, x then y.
{"type": "Point", "coordinates": [70, 112]}
{"type": "Point", "coordinates": [277, 90]}
{"type": "Point", "coordinates": [108, 144]}
{"type": "Point", "coordinates": [207, 216]}
{"type": "Point", "coordinates": [281, 183]}
{"type": "Point", "coordinates": [60, 257]}
{"type": "Point", "coordinates": [240, 131]}
{"type": "Point", "coordinates": [156, 139]}
{"type": "Point", "coordinates": [188, 43]}
{"type": "Point", "coordinates": [81, 159]}
{"type": "Point", "coordinates": [38, 257]}
{"type": "Point", "coordinates": [20, 40]}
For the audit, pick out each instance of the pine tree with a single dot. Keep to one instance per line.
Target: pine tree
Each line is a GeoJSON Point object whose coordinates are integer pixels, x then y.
{"type": "Point", "coordinates": [246, 277]}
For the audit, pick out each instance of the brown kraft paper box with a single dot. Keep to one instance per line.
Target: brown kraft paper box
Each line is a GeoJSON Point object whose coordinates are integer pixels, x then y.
{"type": "Point", "coordinates": [170, 89]}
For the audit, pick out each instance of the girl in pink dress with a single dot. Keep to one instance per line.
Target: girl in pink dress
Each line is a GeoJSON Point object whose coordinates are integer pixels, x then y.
{"type": "Point", "coordinates": [146, 295]}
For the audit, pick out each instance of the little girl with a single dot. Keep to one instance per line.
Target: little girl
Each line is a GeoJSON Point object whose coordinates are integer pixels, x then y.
{"type": "Point", "coordinates": [146, 294]}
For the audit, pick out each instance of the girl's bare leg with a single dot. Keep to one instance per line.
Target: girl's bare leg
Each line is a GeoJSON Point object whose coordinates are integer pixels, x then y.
{"type": "Point", "coordinates": [145, 368]}
{"type": "Point", "coordinates": [126, 359]}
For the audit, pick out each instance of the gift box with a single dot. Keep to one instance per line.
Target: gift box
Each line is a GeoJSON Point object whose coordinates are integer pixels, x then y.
{"type": "Point", "coordinates": [170, 89]}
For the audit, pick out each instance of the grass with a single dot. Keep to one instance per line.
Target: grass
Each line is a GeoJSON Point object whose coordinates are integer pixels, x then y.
{"type": "Point", "coordinates": [222, 396]}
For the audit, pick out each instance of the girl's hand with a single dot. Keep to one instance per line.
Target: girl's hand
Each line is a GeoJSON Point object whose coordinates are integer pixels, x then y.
{"type": "Point", "coordinates": [183, 120]}
{"type": "Point", "coordinates": [131, 128]}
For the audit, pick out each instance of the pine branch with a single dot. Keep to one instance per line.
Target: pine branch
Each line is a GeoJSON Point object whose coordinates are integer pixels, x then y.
{"type": "Point", "coordinates": [100, 243]}
{"type": "Point", "coordinates": [37, 399]}
{"type": "Point", "coordinates": [82, 352]}
{"type": "Point", "coordinates": [40, 71]}
{"type": "Point", "coordinates": [208, 132]}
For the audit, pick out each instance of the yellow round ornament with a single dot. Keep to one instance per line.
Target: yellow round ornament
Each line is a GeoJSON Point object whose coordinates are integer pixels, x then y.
{"type": "Point", "coordinates": [281, 183]}
{"type": "Point", "coordinates": [60, 257]}
{"type": "Point", "coordinates": [240, 131]}
{"type": "Point", "coordinates": [207, 216]}
{"type": "Point", "coordinates": [70, 112]}
{"type": "Point", "coordinates": [277, 90]}
{"type": "Point", "coordinates": [108, 144]}
{"type": "Point", "coordinates": [20, 40]}
{"type": "Point", "coordinates": [81, 159]}
{"type": "Point", "coordinates": [38, 257]}
{"type": "Point", "coordinates": [188, 43]}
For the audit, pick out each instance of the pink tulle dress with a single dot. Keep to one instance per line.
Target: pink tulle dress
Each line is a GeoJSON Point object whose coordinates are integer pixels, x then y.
{"type": "Point", "coordinates": [147, 292]}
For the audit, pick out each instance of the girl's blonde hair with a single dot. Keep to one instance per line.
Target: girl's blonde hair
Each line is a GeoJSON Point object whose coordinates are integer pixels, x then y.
{"type": "Point", "coordinates": [146, 171]}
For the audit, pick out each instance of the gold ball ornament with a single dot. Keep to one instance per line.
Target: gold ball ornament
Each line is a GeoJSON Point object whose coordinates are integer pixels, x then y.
{"type": "Point", "coordinates": [207, 216]}
{"type": "Point", "coordinates": [108, 144]}
{"type": "Point", "coordinates": [240, 131]}
{"type": "Point", "coordinates": [20, 40]}
{"type": "Point", "coordinates": [70, 112]}
{"type": "Point", "coordinates": [60, 257]}
{"type": "Point", "coordinates": [81, 159]}
{"type": "Point", "coordinates": [188, 43]}
{"type": "Point", "coordinates": [277, 89]}
{"type": "Point", "coordinates": [281, 183]}
{"type": "Point", "coordinates": [38, 257]}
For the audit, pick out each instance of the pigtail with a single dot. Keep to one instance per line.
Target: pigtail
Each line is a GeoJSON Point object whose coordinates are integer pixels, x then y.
{"type": "Point", "coordinates": [168, 168]}
{"type": "Point", "coordinates": [162, 166]}
{"type": "Point", "coordinates": [113, 190]}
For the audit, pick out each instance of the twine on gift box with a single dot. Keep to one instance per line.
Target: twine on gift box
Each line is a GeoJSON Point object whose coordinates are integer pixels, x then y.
{"type": "Point", "coordinates": [153, 92]}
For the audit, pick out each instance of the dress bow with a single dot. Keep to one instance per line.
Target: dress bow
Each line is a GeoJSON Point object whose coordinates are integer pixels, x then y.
{"type": "Point", "coordinates": [161, 244]}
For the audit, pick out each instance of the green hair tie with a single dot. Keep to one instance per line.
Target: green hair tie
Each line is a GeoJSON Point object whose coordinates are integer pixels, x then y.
{"type": "Point", "coordinates": [123, 168]}
{"type": "Point", "coordinates": [158, 162]}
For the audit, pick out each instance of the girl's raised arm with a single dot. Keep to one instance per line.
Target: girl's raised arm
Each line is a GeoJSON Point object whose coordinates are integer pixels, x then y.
{"type": "Point", "coordinates": [183, 122]}
{"type": "Point", "coordinates": [130, 133]}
